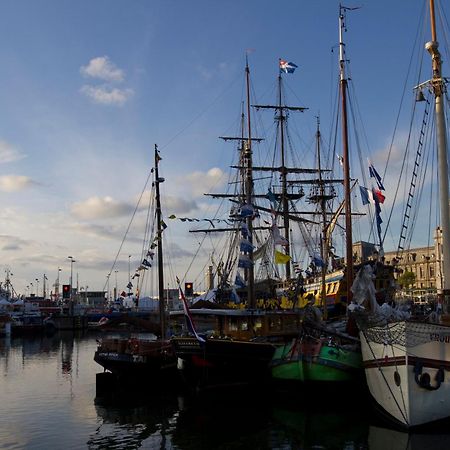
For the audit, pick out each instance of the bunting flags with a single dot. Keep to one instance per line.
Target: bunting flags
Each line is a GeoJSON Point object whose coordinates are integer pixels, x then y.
{"type": "Point", "coordinates": [130, 285]}
{"type": "Point", "coordinates": [146, 263]}
{"type": "Point", "coordinates": [281, 258]}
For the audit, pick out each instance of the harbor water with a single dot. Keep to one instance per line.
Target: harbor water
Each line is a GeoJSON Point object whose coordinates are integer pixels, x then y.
{"type": "Point", "coordinates": [48, 401]}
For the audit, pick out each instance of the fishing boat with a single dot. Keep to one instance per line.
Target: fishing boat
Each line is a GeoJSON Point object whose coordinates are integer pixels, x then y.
{"type": "Point", "coordinates": [142, 356]}
{"type": "Point", "coordinates": [407, 359]}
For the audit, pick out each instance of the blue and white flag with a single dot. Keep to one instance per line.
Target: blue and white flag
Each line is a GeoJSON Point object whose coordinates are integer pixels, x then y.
{"type": "Point", "coordinates": [374, 174]}
{"type": "Point", "coordinates": [287, 67]}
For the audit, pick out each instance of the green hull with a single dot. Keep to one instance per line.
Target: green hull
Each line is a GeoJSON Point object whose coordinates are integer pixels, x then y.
{"type": "Point", "coordinates": [328, 364]}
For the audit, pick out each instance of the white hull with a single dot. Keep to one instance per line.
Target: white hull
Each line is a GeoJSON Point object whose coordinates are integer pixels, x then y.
{"type": "Point", "coordinates": [398, 359]}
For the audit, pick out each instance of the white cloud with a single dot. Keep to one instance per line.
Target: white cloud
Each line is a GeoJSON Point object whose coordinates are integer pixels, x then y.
{"type": "Point", "coordinates": [14, 183]}
{"type": "Point", "coordinates": [100, 208]}
{"type": "Point", "coordinates": [102, 68]}
{"type": "Point", "coordinates": [201, 182]}
{"type": "Point", "coordinates": [107, 95]}
{"type": "Point", "coordinates": [8, 153]}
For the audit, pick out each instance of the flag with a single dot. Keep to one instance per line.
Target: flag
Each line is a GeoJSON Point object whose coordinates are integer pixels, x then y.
{"type": "Point", "coordinates": [247, 210]}
{"type": "Point", "coordinates": [244, 262]}
{"type": "Point", "coordinates": [123, 294]}
{"type": "Point", "coordinates": [281, 258]}
{"type": "Point", "coordinates": [135, 275]}
{"type": "Point", "coordinates": [277, 238]}
{"type": "Point", "coordinates": [259, 253]}
{"type": "Point", "coordinates": [187, 315]}
{"type": "Point", "coordinates": [244, 230]}
{"type": "Point", "coordinates": [379, 195]}
{"type": "Point", "coordinates": [146, 263]}
{"type": "Point", "coordinates": [366, 198]}
{"type": "Point", "coordinates": [246, 245]}
{"type": "Point", "coordinates": [374, 174]}
{"type": "Point", "coordinates": [150, 254]}
{"type": "Point", "coordinates": [287, 67]}
{"type": "Point", "coordinates": [341, 160]}
{"type": "Point", "coordinates": [318, 261]}
{"type": "Point", "coordinates": [130, 285]}
{"type": "Point", "coordinates": [239, 281]}
{"type": "Point", "coordinates": [271, 196]}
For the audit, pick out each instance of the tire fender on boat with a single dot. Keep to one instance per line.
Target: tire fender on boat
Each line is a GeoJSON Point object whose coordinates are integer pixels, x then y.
{"type": "Point", "coordinates": [424, 379]}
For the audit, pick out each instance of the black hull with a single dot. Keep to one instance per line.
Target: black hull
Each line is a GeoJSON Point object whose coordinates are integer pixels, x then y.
{"type": "Point", "coordinates": [154, 363]}
{"type": "Point", "coordinates": [220, 363]}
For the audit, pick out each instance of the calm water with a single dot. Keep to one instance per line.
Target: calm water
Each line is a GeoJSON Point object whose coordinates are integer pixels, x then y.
{"type": "Point", "coordinates": [48, 401]}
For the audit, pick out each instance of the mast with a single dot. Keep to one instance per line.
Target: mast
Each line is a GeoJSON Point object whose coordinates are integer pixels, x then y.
{"type": "Point", "coordinates": [439, 89]}
{"type": "Point", "coordinates": [248, 193]}
{"type": "Point", "coordinates": [324, 240]}
{"type": "Point", "coordinates": [346, 162]}
{"type": "Point", "coordinates": [283, 169]}
{"type": "Point", "coordinates": [162, 313]}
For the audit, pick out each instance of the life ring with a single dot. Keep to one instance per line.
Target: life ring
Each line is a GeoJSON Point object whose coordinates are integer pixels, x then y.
{"type": "Point", "coordinates": [424, 379]}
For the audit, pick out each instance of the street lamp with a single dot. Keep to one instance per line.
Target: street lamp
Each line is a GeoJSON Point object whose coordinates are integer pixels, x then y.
{"type": "Point", "coordinates": [57, 284]}
{"type": "Point", "coordinates": [72, 260]}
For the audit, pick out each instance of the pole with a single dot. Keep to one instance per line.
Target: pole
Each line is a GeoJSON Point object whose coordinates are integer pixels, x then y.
{"type": "Point", "coordinates": [439, 88]}
{"type": "Point", "coordinates": [346, 162]}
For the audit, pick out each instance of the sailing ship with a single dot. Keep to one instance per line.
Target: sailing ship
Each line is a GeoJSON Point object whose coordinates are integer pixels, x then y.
{"type": "Point", "coordinates": [243, 330]}
{"type": "Point", "coordinates": [139, 357]}
{"type": "Point", "coordinates": [407, 360]}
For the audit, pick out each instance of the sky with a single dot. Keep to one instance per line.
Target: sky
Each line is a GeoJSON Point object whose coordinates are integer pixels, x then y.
{"type": "Point", "coordinates": [88, 88]}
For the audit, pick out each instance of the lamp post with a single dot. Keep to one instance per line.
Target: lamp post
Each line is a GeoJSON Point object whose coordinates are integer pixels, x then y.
{"type": "Point", "coordinates": [57, 285]}
{"type": "Point", "coordinates": [72, 260]}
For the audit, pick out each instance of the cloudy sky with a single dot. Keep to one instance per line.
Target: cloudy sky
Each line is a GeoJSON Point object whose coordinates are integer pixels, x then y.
{"type": "Point", "coordinates": [88, 87]}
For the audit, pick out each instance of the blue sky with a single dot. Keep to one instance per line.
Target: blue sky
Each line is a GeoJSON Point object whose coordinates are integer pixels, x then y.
{"type": "Point", "coordinates": [88, 87]}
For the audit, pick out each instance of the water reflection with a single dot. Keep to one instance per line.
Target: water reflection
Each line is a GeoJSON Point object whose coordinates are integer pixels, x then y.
{"type": "Point", "coordinates": [48, 386]}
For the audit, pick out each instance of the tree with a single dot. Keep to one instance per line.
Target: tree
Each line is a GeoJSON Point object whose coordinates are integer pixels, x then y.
{"type": "Point", "coordinates": [406, 279]}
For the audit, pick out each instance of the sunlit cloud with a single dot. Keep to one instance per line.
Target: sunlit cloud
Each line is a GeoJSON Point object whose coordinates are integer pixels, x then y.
{"type": "Point", "coordinates": [201, 182]}
{"type": "Point", "coordinates": [102, 68]}
{"type": "Point", "coordinates": [100, 208]}
{"type": "Point", "coordinates": [8, 153]}
{"type": "Point", "coordinates": [106, 95]}
{"type": "Point", "coordinates": [14, 183]}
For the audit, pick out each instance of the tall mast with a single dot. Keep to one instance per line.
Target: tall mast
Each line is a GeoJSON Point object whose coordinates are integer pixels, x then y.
{"type": "Point", "coordinates": [346, 162]}
{"type": "Point", "coordinates": [439, 89]}
{"type": "Point", "coordinates": [162, 312]}
{"type": "Point", "coordinates": [248, 164]}
{"type": "Point", "coordinates": [282, 111]}
{"type": "Point", "coordinates": [284, 199]}
{"type": "Point", "coordinates": [324, 240]}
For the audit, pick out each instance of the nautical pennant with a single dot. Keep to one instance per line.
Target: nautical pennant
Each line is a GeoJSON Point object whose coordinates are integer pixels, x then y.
{"type": "Point", "coordinates": [287, 67]}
